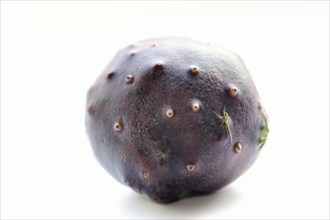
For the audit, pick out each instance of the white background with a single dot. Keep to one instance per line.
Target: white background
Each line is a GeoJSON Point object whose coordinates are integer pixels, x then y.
{"type": "Point", "coordinates": [51, 52]}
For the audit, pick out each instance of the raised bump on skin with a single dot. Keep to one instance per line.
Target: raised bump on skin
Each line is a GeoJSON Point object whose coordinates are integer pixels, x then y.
{"type": "Point", "coordinates": [118, 126]}
{"type": "Point", "coordinates": [129, 79]}
{"type": "Point", "coordinates": [190, 167]}
{"type": "Point", "coordinates": [169, 113]}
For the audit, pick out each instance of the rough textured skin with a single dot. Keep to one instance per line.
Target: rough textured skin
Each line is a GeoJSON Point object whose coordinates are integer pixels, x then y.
{"type": "Point", "coordinates": [171, 116]}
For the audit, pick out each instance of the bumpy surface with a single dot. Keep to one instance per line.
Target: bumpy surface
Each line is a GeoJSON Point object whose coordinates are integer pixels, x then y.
{"type": "Point", "coordinates": [172, 116]}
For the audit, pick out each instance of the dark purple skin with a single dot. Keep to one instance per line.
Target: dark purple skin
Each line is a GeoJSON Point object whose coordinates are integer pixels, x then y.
{"type": "Point", "coordinates": [214, 134]}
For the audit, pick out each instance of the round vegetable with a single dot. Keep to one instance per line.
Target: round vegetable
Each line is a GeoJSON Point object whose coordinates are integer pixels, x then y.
{"type": "Point", "coordinates": [172, 117]}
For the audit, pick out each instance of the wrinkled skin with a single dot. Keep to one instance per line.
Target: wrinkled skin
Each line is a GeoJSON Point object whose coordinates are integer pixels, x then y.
{"type": "Point", "coordinates": [187, 119]}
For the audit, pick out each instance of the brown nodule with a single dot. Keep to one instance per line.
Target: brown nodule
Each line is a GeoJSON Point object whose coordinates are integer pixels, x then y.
{"type": "Point", "coordinates": [129, 78]}
{"type": "Point", "coordinates": [133, 53]}
{"type": "Point", "coordinates": [90, 109]}
{"type": "Point", "coordinates": [110, 75]}
{"type": "Point", "coordinates": [193, 70]}
{"type": "Point", "coordinates": [238, 147]}
{"type": "Point", "coordinates": [169, 113]}
{"type": "Point", "coordinates": [118, 126]}
{"type": "Point", "coordinates": [232, 91]}
{"type": "Point", "coordinates": [159, 65]}
{"type": "Point", "coordinates": [190, 167]}
{"type": "Point", "coordinates": [146, 175]}
{"type": "Point", "coordinates": [195, 106]}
